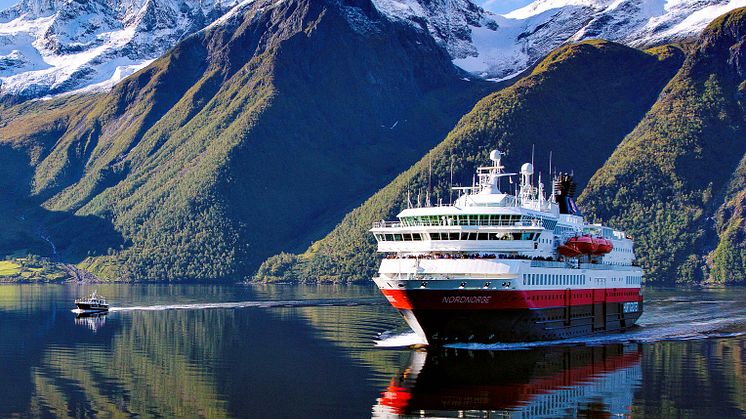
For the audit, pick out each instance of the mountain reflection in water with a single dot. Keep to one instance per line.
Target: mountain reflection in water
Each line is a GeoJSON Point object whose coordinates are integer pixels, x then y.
{"type": "Point", "coordinates": [174, 350]}
{"type": "Point", "coordinates": [547, 382]}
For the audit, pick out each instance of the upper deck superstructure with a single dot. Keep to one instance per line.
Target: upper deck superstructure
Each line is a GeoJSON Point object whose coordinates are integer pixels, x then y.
{"type": "Point", "coordinates": [497, 252]}
{"type": "Point", "coordinates": [484, 219]}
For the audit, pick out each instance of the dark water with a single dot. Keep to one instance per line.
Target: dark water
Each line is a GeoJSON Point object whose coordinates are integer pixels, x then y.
{"type": "Point", "coordinates": [326, 351]}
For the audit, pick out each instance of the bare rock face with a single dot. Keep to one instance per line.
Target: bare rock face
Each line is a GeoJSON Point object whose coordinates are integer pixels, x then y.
{"type": "Point", "coordinates": [499, 46]}
{"type": "Point", "coordinates": [56, 46]}
{"type": "Point", "coordinates": [49, 47]}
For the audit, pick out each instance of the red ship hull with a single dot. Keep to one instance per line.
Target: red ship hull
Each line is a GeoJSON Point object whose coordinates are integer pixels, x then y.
{"type": "Point", "coordinates": [485, 316]}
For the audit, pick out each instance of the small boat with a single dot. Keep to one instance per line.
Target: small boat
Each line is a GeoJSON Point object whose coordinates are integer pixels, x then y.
{"type": "Point", "coordinates": [91, 304]}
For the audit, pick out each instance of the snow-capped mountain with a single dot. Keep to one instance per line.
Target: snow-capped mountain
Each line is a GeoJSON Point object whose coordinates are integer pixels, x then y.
{"type": "Point", "coordinates": [498, 46]}
{"type": "Point", "coordinates": [56, 46]}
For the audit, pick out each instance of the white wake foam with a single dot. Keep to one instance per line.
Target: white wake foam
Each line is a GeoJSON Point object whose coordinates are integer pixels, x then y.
{"type": "Point", "coordinates": [255, 304]}
{"type": "Point", "coordinates": [401, 340]}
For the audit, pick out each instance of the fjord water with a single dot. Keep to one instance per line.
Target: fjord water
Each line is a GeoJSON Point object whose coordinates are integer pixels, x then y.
{"type": "Point", "coordinates": [326, 351]}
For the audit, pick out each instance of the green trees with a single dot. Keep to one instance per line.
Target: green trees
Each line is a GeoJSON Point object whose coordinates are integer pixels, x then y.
{"type": "Point", "coordinates": [579, 102]}
{"type": "Point", "coordinates": [245, 140]}
{"type": "Point", "coordinates": [674, 182]}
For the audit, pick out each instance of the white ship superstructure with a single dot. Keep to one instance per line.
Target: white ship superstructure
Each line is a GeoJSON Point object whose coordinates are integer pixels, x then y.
{"type": "Point", "coordinates": [496, 266]}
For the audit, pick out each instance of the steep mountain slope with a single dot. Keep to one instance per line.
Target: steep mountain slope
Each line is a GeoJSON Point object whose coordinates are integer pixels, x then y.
{"type": "Point", "coordinates": [676, 182]}
{"type": "Point", "coordinates": [526, 35]}
{"type": "Point", "coordinates": [244, 140]}
{"type": "Point", "coordinates": [579, 102]}
{"type": "Point", "coordinates": [55, 46]}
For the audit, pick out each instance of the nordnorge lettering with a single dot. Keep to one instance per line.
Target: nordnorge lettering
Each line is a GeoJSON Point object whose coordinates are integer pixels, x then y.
{"type": "Point", "coordinates": [463, 299]}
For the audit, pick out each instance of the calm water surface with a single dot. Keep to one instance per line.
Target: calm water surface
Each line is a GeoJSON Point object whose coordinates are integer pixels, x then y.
{"type": "Point", "coordinates": [336, 351]}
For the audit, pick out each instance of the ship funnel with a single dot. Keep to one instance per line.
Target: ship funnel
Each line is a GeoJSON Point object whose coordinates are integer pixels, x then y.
{"type": "Point", "coordinates": [564, 191]}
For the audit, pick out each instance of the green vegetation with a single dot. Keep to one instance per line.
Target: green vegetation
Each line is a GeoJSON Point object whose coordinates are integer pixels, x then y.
{"type": "Point", "coordinates": [670, 176]}
{"type": "Point", "coordinates": [243, 141]}
{"type": "Point", "coordinates": [9, 268]}
{"type": "Point", "coordinates": [31, 269]}
{"type": "Point", "coordinates": [579, 102]}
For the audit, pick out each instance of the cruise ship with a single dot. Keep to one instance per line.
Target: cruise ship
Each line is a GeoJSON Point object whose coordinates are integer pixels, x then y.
{"type": "Point", "coordinates": [496, 266]}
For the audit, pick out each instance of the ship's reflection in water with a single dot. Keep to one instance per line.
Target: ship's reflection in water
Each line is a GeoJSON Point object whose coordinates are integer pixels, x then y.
{"type": "Point", "coordinates": [542, 382]}
{"type": "Point", "coordinates": [92, 321]}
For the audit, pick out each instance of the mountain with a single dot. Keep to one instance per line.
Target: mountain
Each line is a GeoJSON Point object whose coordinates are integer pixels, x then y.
{"type": "Point", "coordinates": [247, 138]}
{"type": "Point", "coordinates": [579, 102]}
{"type": "Point", "coordinates": [56, 46]}
{"type": "Point", "coordinates": [49, 47]}
{"type": "Point", "coordinates": [526, 35]}
{"type": "Point", "coordinates": [677, 180]}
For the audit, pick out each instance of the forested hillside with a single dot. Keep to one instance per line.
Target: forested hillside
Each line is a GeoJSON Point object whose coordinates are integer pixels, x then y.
{"type": "Point", "coordinates": [579, 102]}
{"type": "Point", "coordinates": [677, 181]}
{"type": "Point", "coordinates": [246, 139]}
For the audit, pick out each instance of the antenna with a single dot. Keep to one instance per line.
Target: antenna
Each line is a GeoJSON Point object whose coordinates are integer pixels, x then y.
{"type": "Point", "coordinates": [409, 198]}
{"type": "Point", "coordinates": [430, 181]}
{"type": "Point", "coordinates": [532, 163]}
{"type": "Point", "coordinates": [450, 190]}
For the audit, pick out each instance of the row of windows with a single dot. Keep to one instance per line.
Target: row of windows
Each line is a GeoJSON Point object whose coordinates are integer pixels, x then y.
{"type": "Point", "coordinates": [483, 236]}
{"type": "Point", "coordinates": [553, 279]}
{"type": "Point", "coordinates": [456, 236]}
{"type": "Point", "coordinates": [462, 220]}
{"type": "Point", "coordinates": [477, 220]}
{"type": "Point", "coordinates": [633, 280]}
{"type": "Point", "coordinates": [405, 237]}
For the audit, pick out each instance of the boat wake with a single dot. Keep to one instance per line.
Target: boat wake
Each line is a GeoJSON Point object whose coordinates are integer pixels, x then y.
{"type": "Point", "coordinates": [337, 302]}
{"type": "Point", "coordinates": [399, 340]}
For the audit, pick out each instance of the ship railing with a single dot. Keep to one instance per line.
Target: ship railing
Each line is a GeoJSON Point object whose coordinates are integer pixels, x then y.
{"type": "Point", "coordinates": [547, 264]}
{"type": "Point", "coordinates": [481, 223]}
{"type": "Point", "coordinates": [595, 266]}
{"type": "Point", "coordinates": [386, 224]}
{"type": "Point", "coordinates": [605, 266]}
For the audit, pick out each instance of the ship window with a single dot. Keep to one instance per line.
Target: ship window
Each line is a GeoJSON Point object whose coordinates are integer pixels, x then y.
{"type": "Point", "coordinates": [407, 237]}
{"type": "Point", "coordinates": [389, 237]}
{"type": "Point", "coordinates": [482, 236]}
{"type": "Point", "coordinates": [397, 237]}
{"type": "Point", "coordinates": [453, 236]}
{"type": "Point", "coordinates": [472, 236]}
{"type": "Point", "coordinates": [416, 236]}
{"type": "Point", "coordinates": [464, 236]}
{"type": "Point", "coordinates": [434, 236]}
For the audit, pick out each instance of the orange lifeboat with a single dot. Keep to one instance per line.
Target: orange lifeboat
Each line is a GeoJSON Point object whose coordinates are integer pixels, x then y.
{"type": "Point", "coordinates": [604, 246]}
{"type": "Point", "coordinates": [584, 244]}
{"type": "Point", "coordinates": [568, 251]}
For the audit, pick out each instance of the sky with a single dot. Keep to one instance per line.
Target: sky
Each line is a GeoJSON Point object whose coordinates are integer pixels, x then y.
{"type": "Point", "coordinates": [497, 6]}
